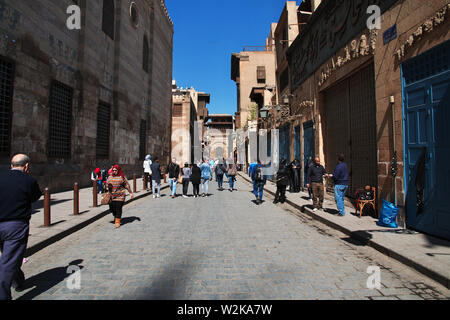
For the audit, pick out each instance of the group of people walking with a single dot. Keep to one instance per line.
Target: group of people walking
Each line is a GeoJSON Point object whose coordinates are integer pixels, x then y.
{"type": "Point", "coordinates": [288, 174]}
{"type": "Point", "coordinates": [200, 175]}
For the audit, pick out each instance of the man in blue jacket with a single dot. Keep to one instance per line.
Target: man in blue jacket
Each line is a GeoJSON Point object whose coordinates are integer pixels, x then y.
{"type": "Point", "coordinates": [259, 180]}
{"type": "Point", "coordinates": [18, 190]}
{"type": "Point", "coordinates": [340, 176]}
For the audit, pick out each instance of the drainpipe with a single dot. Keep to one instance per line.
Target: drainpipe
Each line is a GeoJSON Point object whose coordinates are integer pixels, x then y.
{"type": "Point", "coordinates": [394, 168]}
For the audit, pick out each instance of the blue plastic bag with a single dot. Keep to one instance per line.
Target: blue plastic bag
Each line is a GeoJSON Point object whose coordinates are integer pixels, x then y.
{"type": "Point", "coordinates": [388, 215]}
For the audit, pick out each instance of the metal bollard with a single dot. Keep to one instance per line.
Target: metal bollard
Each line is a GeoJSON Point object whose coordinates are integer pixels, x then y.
{"type": "Point", "coordinates": [144, 182]}
{"type": "Point", "coordinates": [134, 183]}
{"type": "Point", "coordinates": [47, 220]}
{"type": "Point", "coordinates": [94, 194]}
{"type": "Point", "coordinates": [76, 199]}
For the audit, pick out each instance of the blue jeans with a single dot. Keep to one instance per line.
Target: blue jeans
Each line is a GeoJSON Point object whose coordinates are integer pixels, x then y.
{"type": "Point", "coordinates": [100, 186]}
{"type": "Point", "coordinates": [220, 180]}
{"type": "Point", "coordinates": [339, 195]}
{"type": "Point", "coordinates": [173, 186]}
{"type": "Point", "coordinates": [231, 182]}
{"type": "Point", "coordinates": [258, 189]}
{"type": "Point", "coordinates": [205, 185]}
{"type": "Point", "coordinates": [13, 242]}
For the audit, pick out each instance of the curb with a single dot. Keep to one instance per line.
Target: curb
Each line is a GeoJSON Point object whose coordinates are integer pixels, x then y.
{"type": "Point", "coordinates": [365, 238]}
{"type": "Point", "coordinates": [45, 243]}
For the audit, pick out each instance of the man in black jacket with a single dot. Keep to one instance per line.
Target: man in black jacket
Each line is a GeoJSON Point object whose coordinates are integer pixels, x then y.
{"type": "Point", "coordinates": [18, 190]}
{"type": "Point", "coordinates": [173, 170]}
{"type": "Point", "coordinates": [315, 176]}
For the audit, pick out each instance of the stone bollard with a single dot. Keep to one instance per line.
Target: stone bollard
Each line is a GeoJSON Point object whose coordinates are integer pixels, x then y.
{"type": "Point", "coordinates": [144, 182]}
{"type": "Point", "coordinates": [76, 199]}
{"type": "Point", "coordinates": [94, 194]}
{"type": "Point", "coordinates": [47, 219]}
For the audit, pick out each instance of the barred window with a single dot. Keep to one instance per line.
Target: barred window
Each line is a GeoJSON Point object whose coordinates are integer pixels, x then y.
{"type": "Point", "coordinates": [261, 74]}
{"type": "Point", "coordinates": [108, 18]}
{"type": "Point", "coordinates": [143, 140]}
{"type": "Point", "coordinates": [6, 98]}
{"type": "Point", "coordinates": [145, 55]}
{"type": "Point", "coordinates": [177, 110]}
{"type": "Point", "coordinates": [103, 130]}
{"type": "Point", "coordinates": [60, 120]}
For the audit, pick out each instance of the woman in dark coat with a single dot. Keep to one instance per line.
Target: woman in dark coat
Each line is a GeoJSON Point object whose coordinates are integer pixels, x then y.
{"type": "Point", "coordinates": [282, 182]}
{"type": "Point", "coordinates": [195, 179]}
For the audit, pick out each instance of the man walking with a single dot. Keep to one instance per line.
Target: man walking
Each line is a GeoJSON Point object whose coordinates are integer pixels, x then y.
{"type": "Point", "coordinates": [340, 177]}
{"type": "Point", "coordinates": [173, 169]}
{"type": "Point", "coordinates": [207, 172]}
{"type": "Point", "coordinates": [18, 190]}
{"type": "Point", "coordinates": [259, 181]}
{"type": "Point", "coordinates": [316, 173]}
{"type": "Point", "coordinates": [220, 171]}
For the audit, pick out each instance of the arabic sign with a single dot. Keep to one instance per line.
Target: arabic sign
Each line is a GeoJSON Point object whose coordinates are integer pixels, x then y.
{"type": "Point", "coordinates": [331, 27]}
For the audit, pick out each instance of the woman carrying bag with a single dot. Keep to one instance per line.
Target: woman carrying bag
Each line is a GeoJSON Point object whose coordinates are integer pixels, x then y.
{"type": "Point", "coordinates": [117, 186]}
{"type": "Point", "coordinates": [232, 171]}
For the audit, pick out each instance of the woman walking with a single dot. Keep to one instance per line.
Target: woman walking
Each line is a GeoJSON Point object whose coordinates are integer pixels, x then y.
{"type": "Point", "coordinates": [196, 175]}
{"type": "Point", "coordinates": [186, 174]}
{"type": "Point", "coordinates": [117, 185]}
{"type": "Point", "coordinates": [206, 177]}
{"type": "Point", "coordinates": [156, 178]}
{"type": "Point", "coordinates": [232, 171]}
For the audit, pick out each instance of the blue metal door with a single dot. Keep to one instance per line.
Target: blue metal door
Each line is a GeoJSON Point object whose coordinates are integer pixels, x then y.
{"type": "Point", "coordinates": [285, 142]}
{"type": "Point", "coordinates": [426, 91]}
{"type": "Point", "coordinates": [309, 146]}
{"type": "Point", "coordinates": [297, 154]}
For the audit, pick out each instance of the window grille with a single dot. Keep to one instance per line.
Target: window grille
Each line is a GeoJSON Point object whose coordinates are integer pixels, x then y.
{"type": "Point", "coordinates": [6, 97]}
{"type": "Point", "coordinates": [60, 120]}
{"type": "Point", "coordinates": [108, 18]}
{"type": "Point", "coordinates": [145, 52]}
{"type": "Point", "coordinates": [261, 74]}
{"type": "Point", "coordinates": [103, 130]}
{"type": "Point", "coordinates": [143, 140]}
{"type": "Point", "coordinates": [177, 110]}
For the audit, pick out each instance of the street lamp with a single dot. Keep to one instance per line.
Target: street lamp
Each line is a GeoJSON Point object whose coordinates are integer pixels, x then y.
{"type": "Point", "coordinates": [263, 112]}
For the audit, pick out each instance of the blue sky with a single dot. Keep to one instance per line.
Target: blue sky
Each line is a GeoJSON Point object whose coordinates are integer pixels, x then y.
{"type": "Point", "coordinates": [207, 32]}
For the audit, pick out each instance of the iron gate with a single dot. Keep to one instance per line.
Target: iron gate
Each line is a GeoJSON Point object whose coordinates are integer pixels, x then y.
{"type": "Point", "coordinates": [350, 128]}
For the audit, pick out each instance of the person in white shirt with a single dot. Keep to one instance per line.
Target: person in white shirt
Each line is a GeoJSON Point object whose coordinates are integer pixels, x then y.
{"type": "Point", "coordinates": [148, 172]}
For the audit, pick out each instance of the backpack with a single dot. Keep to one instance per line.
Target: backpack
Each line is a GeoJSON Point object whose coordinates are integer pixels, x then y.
{"type": "Point", "coordinates": [219, 169]}
{"type": "Point", "coordinates": [258, 174]}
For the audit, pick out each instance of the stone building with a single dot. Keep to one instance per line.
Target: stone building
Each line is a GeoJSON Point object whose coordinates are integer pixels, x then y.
{"type": "Point", "coordinates": [84, 98]}
{"type": "Point", "coordinates": [189, 114]}
{"type": "Point", "coordinates": [381, 96]}
{"type": "Point", "coordinates": [219, 136]}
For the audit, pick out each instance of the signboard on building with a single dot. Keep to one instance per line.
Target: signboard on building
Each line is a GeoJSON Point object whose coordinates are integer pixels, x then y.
{"type": "Point", "coordinates": [390, 34]}
{"type": "Point", "coordinates": [333, 25]}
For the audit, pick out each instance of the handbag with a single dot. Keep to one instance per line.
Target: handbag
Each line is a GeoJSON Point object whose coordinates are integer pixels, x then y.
{"type": "Point", "coordinates": [106, 198]}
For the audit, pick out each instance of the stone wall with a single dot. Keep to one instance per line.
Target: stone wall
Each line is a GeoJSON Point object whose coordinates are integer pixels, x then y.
{"type": "Point", "coordinates": [97, 68]}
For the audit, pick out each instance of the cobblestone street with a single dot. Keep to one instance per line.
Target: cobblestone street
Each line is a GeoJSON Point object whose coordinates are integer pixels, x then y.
{"type": "Point", "coordinates": [220, 247]}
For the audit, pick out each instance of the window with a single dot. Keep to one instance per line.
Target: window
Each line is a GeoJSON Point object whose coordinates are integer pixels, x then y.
{"type": "Point", "coordinates": [145, 55]}
{"type": "Point", "coordinates": [108, 18]}
{"type": "Point", "coordinates": [261, 74]}
{"type": "Point", "coordinates": [60, 121]}
{"type": "Point", "coordinates": [103, 129]}
{"type": "Point", "coordinates": [177, 110]}
{"type": "Point", "coordinates": [6, 98]}
{"type": "Point", "coordinates": [134, 15]}
{"type": "Point", "coordinates": [143, 140]}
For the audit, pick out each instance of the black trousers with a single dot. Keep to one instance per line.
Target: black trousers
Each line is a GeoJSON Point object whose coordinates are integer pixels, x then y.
{"type": "Point", "coordinates": [148, 179]}
{"type": "Point", "coordinates": [115, 208]}
{"type": "Point", "coordinates": [196, 189]}
{"type": "Point", "coordinates": [185, 186]}
{"type": "Point", "coordinates": [280, 195]}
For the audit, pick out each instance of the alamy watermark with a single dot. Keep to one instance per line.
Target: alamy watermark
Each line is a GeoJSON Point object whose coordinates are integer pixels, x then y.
{"type": "Point", "coordinates": [73, 22]}
{"type": "Point", "coordinates": [374, 280]}
{"type": "Point", "coordinates": [73, 282]}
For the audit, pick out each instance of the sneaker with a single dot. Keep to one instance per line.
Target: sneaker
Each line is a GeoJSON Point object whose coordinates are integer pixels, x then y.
{"type": "Point", "coordinates": [185, 196]}
{"type": "Point", "coordinates": [315, 209]}
{"type": "Point", "coordinates": [158, 196]}
{"type": "Point", "coordinates": [154, 196]}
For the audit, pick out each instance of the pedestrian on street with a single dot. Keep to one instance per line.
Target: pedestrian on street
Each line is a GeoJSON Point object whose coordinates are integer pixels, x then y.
{"type": "Point", "coordinates": [96, 176]}
{"type": "Point", "coordinates": [295, 176]}
{"type": "Point", "coordinates": [18, 190]}
{"type": "Point", "coordinates": [186, 177]}
{"type": "Point", "coordinates": [117, 185]}
{"type": "Point", "coordinates": [148, 172]}
{"type": "Point", "coordinates": [220, 171]}
{"type": "Point", "coordinates": [196, 175]}
{"type": "Point", "coordinates": [206, 177]}
{"type": "Point", "coordinates": [173, 169]}
{"type": "Point", "coordinates": [251, 170]}
{"type": "Point", "coordinates": [340, 177]}
{"type": "Point", "coordinates": [316, 173]}
{"type": "Point", "coordinates": [259, 180]}
{"type": "Point", "coordinates": [232, 172]}
{"type": "Point", "coordinates": [282, 182]}
{"type": "Point", "coordinates": [156, 178]}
